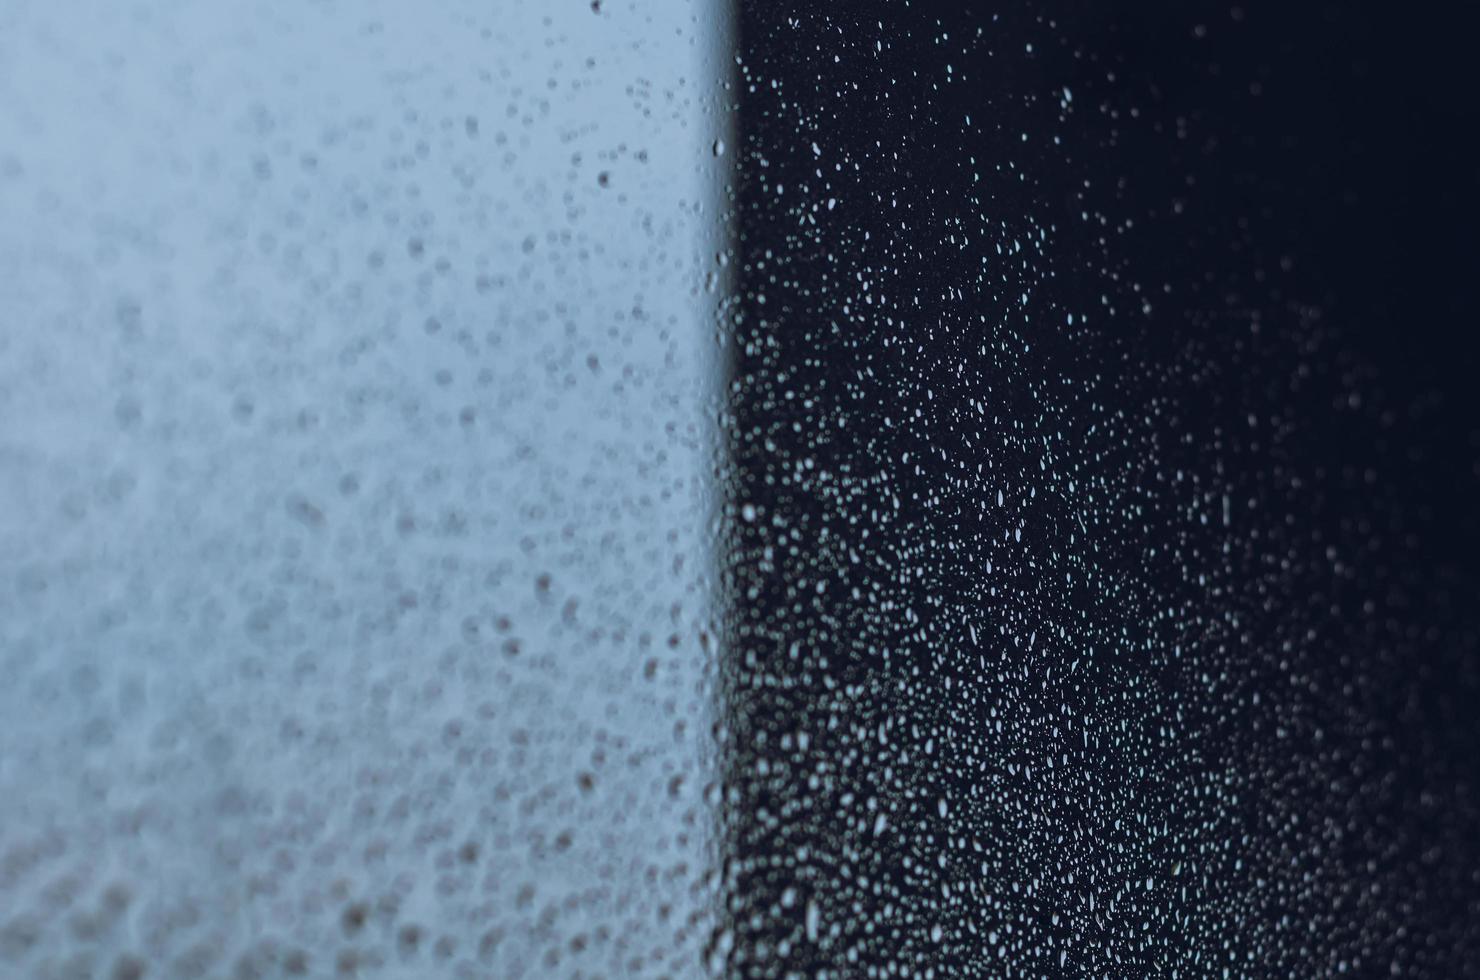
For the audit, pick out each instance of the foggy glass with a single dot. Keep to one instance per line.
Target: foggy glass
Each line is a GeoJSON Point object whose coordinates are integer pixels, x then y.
{"type": "Point", "coordinates": [599, 488]}
{"type": "Point", "coordinates": [357, 480]}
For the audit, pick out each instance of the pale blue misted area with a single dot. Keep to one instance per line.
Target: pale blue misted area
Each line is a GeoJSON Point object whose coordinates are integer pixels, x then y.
{"type": "Point", "coordinates": [355, 383]}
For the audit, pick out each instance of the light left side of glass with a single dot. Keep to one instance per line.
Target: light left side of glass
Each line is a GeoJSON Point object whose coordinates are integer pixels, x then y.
{"type": "Point", "coordinates": [358, 486]}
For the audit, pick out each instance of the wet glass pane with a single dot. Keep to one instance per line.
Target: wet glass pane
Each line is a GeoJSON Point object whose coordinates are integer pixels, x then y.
{"type": "Point", "coordinates": [690, 489]}
{"type": "Point", "coordinates": [358, 480]}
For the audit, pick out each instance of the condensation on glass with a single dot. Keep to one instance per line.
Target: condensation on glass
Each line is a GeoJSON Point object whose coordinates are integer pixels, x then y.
{"type": "Point", "coordinates": [356, 487]}
{"type": "Point", "coordinates": [583, 488]}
